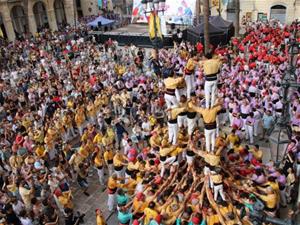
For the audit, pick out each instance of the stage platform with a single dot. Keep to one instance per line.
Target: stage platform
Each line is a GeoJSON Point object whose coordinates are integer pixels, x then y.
{"type": "Point", "coordinates": [133, 33]}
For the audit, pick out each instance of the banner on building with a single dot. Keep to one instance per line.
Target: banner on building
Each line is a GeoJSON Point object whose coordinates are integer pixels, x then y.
{"type": "Point", "coordinates": [176, 11]}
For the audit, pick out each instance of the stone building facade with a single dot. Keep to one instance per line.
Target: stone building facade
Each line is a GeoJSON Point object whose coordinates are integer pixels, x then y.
{"type": "Point", "coordinates": [21, 16]}
{"type": "Point", "coordinates": [284, 10]}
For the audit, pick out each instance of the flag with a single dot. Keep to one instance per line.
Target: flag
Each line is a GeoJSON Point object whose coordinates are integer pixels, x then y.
{"type": "Point", "coordinates": [154, 22]}
{"type": "Point", "coordinates": [1, 33]}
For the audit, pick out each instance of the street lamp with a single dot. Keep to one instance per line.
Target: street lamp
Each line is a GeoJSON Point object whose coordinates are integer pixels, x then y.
{"type": "Point", "coordinates": [281, 134]}
{"type": "Point", "coordinates": [153, 7]}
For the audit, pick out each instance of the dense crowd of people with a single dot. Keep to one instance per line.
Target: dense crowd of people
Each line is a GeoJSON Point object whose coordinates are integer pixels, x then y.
{"type": "Point", "coordinates": [175, 130]}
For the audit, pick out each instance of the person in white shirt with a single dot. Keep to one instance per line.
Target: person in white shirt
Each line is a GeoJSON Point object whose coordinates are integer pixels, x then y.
{"type": "Point", "coordinates": [25, 220]}
{"type": "Point", "coordinates": [146, 129]}
{"type": "Point", "coordinates": [17, 205]}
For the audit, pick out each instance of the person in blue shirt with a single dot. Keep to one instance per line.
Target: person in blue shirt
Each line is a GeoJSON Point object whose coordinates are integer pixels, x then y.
{"type": "Point", "coordinates": [124, 216]}
{"type": "Point", "coordinates": [122, 198]}
{"type": "Point", "coordinates": [156, 221]}
{"type": "Point", "coordinates": [268, 122]}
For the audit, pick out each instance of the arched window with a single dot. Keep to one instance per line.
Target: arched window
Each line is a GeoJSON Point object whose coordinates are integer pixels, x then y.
{"type": "Point", "coordinates": [278, 12]}
{"type": "Point", "coordinates": [60, 12]}
{"type": "Point", "coordinates": [231, 10]}
{"type": "Point", "coordinates": [19, 21]}
{"type": "Point", "coordinates": [40, 14]}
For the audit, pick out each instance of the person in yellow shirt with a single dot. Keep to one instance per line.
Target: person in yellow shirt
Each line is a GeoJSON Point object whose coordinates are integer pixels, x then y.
{"type": "Point", "coordinates": [173, 123]}
{"type": "Point", "coordinates": [209, 116]}
{"type": "Point", "coordinates": [211, 158]}
{"type": "Point", "coordinates": [182, 117]}
{"type": "Point", "coordinates": [68, 123]}
{"type": "Point", "coordinates": [212, 217]}
{"type": "Point", "coordinates": [83, 150]}
{"type": "Point", "coordinates": [229, 213]}
{"type": "Point", "coordinates": [191, 114]}
{"type": "Point", "coordinates": [216, 183]}
{"type": "Point", "coordinates": [232, 138]}
{"type": "Point", "coordinates": [112, 186]}
{"type": "Point", "coordinates": [39, 136]}
{"type": "Point", "coordinates": [91, 112]}
{"type": "Point", "coordinates": [98, 139]}
{"type": "Point", "coordinates": [99, 164]}
{"type": "Point", "coordinates": [108, 158]}
{"type": "Point", "coordinates": [80, 119]}
{"type": "Point", "coordinates": [171, 84]}
{"type": "Point", "coordinates": [60, 128]}
{"type": "Point", "coordinates": [189, 74]}
{"type": "Point", "coordinates": [181, 88]}
{"type": "Point", "coordinates": [257, 153]}
{"type": "Point", "coordinates": [100, 218]}
{"type": "Point", "coordinates": [75, 160]}
{"type": "Point", "coordinates": [149, 213]}
{"type": "Point", "coordinates": [211, 67]}
{"type": "Point", "coordinates": [270, 200]}
{"type": "Point", "coordinates": [139, 205]}
{"type": "Point", "coordinates": [15, 162]}
{"type": "Point", "coordinates": [119, 162]}
{"type": "Point", "coordinates": [116, 101]}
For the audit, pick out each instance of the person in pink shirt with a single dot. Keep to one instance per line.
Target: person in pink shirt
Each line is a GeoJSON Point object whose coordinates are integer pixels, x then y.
{"type": "Point", "coordinates": [245, 109]}
{"type": "Point", "coordinates": [238, 124]}
{"type": "Point", "coordinates": [28, 144]}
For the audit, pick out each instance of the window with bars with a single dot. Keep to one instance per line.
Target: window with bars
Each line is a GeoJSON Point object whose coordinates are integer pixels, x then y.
{"type": "Point", "coordinates": [231, 6]}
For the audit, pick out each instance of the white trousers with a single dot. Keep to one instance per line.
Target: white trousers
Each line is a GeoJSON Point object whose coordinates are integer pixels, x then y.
{"type": "Point", "coordinates": [111, 202]}
{"type": "Point", "coordinates": [206, 171]}
{"type": "Point", "coordinates": [249, 133]}
{"type": "Point", "coordinates": [189, 80]}
{"type": "Point", "coordinates": [101, 175]}
{"type": "Point", "coordinates": [80, 129]}
{"type": "Point", "coordinates": [119, 173]}
{"type": "Point", "coordinates": [110, 169]}
{"type": "Point", "coordinates": [210, 139]}
{"type": "Point", "coordinates": [191, 124]}
{"type": "Point", "coordinates": [173, 132]}
{"type": "Point", "coordinates": [70, 132]}
{"type": "Point", "coordinates": [222, 118]}
{"type": "Point", "coordinates": [218, 189]}
{"type": "Point", "coordinates": [210, 88]}
{"type": "Point", "coordinates": [117, 109]}
{"type": "Point", "coordinates": [230, 117]}
{"type": "Point", "coordinates": [92, 120]}
{"type": "Point", "coordinates": [283, 195]}
{"type": "Point", "coordinates": [179, 93]}
{"type": "Point", "coordinates": [255, 127]}
{"type": "Point", "coordinates": [189, 159]}
{"type": "Point", "coordinates": [298, 170]}
{"type": "Point", "coordinates": [171, 101]}
{"type": "Point", "coordinates": [169, 160]}
{"type": "Point", "coordinates": [182, 121]}
{"type": "Point", "coordinates": [244, 124]}
{"type": "Point", "coordinates": [218, 126]}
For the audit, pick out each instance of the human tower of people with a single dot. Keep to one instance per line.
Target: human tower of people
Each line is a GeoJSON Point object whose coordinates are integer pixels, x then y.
{"type": "Point", "coordinates": [158, 127]}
